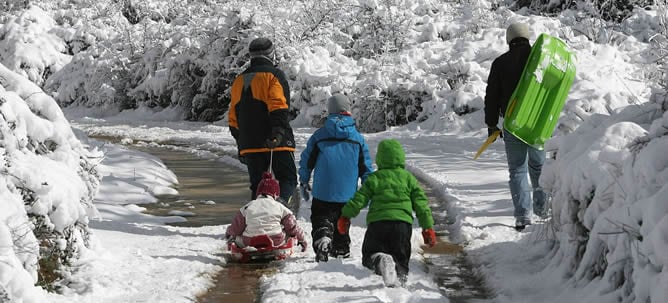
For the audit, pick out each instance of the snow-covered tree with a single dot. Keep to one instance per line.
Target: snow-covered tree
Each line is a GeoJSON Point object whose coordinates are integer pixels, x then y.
{"type": "Point", "coordinates": [47, 184]}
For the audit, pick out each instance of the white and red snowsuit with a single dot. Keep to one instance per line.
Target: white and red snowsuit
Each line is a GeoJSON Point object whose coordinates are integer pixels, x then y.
{"type": "Point", "coordinates": [265, 216]}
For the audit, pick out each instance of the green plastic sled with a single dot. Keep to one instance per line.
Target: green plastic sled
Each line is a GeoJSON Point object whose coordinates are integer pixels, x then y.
{"type": "Point", "coordinates": [533, 110]}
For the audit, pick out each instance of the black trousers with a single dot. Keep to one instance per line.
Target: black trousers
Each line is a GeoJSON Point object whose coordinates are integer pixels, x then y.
{"type": "Point", "coordinates": [390, 237]}
{"type": "Point", "coordinates": [324, 216]}
{"type": "Point", "coordinates": [283, 167]}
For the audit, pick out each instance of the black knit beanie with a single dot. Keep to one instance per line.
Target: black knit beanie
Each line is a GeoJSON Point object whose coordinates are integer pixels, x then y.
{"type": "Point", "coordinates": [261, 47]}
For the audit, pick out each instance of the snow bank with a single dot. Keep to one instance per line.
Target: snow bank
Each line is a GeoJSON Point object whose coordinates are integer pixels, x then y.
{"type": "Point", "coordinates": [610, 182]}
{"type": "Point", "coordinates": [47, 184]}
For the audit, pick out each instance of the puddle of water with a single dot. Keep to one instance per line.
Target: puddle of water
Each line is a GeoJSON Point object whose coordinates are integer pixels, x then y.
{"type": "Point", "coordinates": [205, 180]}
{"type": "Point", "coordinates": [201, 182]}
{"type": "Point", "coordinates": [443, 248]}
{"type": "Point", "coordinates": [238, 283]}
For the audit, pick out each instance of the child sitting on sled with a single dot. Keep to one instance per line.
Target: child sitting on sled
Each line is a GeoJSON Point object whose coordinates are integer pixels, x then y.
{"type": "Point", "coordinates": [393, 194]}
{"type": "Point", "coordinates": [265, 216]}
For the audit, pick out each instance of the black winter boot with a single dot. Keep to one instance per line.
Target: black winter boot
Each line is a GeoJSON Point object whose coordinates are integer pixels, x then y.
{"type": "Point", "coordinates": [322, 247]}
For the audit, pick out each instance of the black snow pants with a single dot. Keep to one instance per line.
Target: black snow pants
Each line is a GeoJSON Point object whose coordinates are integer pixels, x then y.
{"type": "Point", "coordinates": [324, 216]}
{"type": "Point", "coordinates": [390, 237]}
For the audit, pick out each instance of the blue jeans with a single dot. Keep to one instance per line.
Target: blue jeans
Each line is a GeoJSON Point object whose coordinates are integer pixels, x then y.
{"type": "Point", "coordinates": [522, 158]}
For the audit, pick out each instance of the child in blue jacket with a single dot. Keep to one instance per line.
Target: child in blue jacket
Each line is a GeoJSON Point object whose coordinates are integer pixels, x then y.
{"type": "Point", "coordinates": [338, 157]}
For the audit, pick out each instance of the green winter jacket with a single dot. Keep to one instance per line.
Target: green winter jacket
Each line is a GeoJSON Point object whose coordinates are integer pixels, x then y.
{"type": "Point", "coordinates": [391, 192]}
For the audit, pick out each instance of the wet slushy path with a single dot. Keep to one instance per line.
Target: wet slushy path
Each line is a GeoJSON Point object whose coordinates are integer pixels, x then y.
{"type": "Point", "coordinates": [201, 182]}
{"type": "Point", "coordinates": [448, 263]}
{"type": "Point", "coordinates": [212, 192]}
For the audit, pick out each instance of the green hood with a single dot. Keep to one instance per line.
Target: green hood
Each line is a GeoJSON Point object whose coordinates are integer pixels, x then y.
{"type": "Point", "coordinates": [390, 154]}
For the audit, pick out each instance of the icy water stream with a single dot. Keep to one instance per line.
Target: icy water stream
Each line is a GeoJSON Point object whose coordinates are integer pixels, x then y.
{"type": "Point", "coordinates": [213, 191]}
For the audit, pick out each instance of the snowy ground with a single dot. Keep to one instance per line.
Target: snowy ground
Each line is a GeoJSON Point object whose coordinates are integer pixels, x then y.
{"type": "Point", "coordinates": [138, 258]}
{"type": "Point", "coordinates": [173, 264]}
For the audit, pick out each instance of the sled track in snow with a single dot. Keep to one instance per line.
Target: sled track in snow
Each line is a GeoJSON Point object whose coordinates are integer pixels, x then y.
{"type": "Point", "coordinates": [452, 270]}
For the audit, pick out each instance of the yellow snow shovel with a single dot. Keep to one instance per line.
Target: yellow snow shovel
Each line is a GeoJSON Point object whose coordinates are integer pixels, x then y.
{"type": "Point", "coordinates": [489, 141]}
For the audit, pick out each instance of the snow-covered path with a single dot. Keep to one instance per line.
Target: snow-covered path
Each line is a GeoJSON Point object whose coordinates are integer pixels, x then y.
{"type": "Point", "coordinates": [145, 262]}
{"type": "Point", "coordinates": [478, 202]}
{"type": "Point", "coordinates": [476, 190]}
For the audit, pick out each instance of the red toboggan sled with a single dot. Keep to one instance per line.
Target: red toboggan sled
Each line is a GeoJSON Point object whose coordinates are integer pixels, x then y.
{"type": "Point", "coordinates": [260, 249]}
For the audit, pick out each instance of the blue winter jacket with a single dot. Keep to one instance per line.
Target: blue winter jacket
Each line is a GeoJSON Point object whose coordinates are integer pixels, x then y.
{"type": "Point", "coordinates": [338, 154]}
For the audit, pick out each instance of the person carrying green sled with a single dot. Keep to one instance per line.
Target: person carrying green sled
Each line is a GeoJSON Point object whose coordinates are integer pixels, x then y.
{"type": "Point", "coordinates": [504, 77]}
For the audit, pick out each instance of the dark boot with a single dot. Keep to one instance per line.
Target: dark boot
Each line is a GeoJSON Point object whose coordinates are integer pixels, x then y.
{"type": "Point", "coordinates": [322, 248]}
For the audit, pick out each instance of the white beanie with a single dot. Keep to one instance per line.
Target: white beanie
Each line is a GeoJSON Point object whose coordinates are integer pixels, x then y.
{"type": "Point", "coordinates": [338, 103]}
{"type": "Point", "coordinates": [517, 30]}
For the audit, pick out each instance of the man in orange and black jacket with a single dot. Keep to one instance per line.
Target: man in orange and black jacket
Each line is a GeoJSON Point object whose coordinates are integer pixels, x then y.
{"type": "Point", "coordinates": [258, 119]}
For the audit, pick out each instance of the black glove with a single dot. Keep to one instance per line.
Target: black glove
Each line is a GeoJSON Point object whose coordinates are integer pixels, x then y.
{"type": "Point", "coordinates": [491, 130]}
{"type": "Point", "coordinates": [276, 137]}
{"type": "Point", "coordinates": [305, 191]}
{"type": "Point", "coordinates": [274, 140]}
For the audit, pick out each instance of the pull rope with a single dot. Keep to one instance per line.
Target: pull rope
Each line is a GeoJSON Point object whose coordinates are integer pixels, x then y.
{"type": "Point", "coordinates": [271, 160]}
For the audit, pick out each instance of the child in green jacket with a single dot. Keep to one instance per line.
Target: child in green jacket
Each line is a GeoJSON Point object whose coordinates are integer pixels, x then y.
{"type": "Point", "coordinates": [393, 194]}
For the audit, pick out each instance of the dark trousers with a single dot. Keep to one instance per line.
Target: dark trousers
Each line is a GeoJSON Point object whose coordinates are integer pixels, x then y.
{"type": "Point", "coordinates": [323, 220]}
{"type": "Point", "coordinates": [390, 237]}
{"type": "Point", "coordinates": [283, 167]}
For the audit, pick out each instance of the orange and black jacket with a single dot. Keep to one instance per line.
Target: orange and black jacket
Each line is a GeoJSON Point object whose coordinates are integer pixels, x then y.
{"type": "Point", "coordinates": [259, 108]}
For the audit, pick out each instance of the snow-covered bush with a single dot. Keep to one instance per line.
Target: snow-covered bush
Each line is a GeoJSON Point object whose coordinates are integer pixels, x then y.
{"type": "Point", "coordinates": [156, 54]}
{"type": "Point", "coordinates": [162, 60]}
{"type": "Point", "coordinates": [186, 54]}
{"type": "Point", "coordinates": [609, 183]}
{"type": "Point", "coordinates": [657, 36]}
{"type": "Point", "coordinates": [611, 10]}
{"type": "Point", "coordinates": [380, 27]}
{"type": "Point", "coordinates": [387, 100]}
{"type": "Point", "coordinates": [14, 5]}
{"type": "Point", "coordinates": [28, 47]}
{"type": "Point", "coordinates": [47, 185]}
{"type": "Point", "coordinates": [317, 73]}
